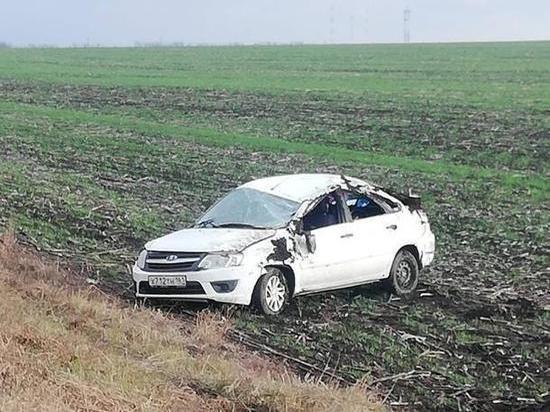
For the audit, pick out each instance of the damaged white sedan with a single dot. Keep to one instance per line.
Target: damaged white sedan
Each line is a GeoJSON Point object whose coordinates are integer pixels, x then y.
{"type": "Point", "coordinates": [279, 237]}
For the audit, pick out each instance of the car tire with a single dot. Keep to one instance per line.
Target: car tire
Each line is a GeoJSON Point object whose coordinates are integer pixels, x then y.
{"type": "Point", "coordinates": [404, 272]}
{"type": "Point", "coordinates": [271, 294]}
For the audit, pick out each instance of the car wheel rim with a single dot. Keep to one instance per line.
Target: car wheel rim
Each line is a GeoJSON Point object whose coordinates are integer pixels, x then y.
{"type": "Point", "coordinates": [275, 293]}
{"type": "Point", "coordinates": [404, 275]}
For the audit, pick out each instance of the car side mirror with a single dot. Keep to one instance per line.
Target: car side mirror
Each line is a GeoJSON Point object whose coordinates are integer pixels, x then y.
{"type": "Point", "coordinates": [310, 242]}
{"type": "Point", "coordinates": [299, 227]}
{"type": "Point", "coordinates": [309, 237]}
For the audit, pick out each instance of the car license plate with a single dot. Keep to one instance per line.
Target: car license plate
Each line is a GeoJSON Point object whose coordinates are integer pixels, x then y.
{"type": "Point", "coordinates": [167, 281]}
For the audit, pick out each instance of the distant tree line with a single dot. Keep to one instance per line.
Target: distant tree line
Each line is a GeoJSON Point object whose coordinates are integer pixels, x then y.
{"type": "Point", "coordinates": [4, 45]}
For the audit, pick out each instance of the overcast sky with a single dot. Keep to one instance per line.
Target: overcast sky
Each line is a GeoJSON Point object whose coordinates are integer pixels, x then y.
{"type": "Point", "coordinates": [124, 22]}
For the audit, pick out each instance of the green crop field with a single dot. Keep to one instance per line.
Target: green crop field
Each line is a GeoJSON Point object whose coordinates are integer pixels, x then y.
{"type": "Point", "coordinates": [104, 149]}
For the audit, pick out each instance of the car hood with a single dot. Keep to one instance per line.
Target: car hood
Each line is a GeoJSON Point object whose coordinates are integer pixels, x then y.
{"type": "Point", "coordinates": [209, 240]}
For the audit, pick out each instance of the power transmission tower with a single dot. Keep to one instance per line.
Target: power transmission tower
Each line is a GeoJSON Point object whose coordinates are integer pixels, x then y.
{"type": "Point", "coordinates": [406, 25]}
{"type": "Point", "coordinates": [366, 25]}
{"type": "Point", "coordinates": [332, 24]}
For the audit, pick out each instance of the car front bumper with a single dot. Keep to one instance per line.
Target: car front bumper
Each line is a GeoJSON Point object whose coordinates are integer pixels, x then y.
{"type": "Point", "coordinates": [199, 285]}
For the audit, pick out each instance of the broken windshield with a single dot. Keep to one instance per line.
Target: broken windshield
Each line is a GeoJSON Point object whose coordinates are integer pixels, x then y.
{"type": "Point", "coordinates": [250, 208]}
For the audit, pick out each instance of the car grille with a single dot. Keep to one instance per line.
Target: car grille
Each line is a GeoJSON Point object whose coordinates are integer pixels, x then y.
{"type": "Point", "coordinates": [192, 288]}
{"type": "Point", "coordinates": [172, 261]}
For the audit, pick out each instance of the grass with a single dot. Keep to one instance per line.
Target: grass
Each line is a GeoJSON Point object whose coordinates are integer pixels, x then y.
{"type": "Point", "coordinates": [103, 150]}
{"type": "Point", "coordinates": [538, 187]}
{"type": "Point", "coordinates": [487, 74]}
{"type": "Point", "coordinates": [66, 346]}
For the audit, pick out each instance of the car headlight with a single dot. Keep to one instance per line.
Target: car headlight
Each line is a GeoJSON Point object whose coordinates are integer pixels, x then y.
{"type": "Point", "coordinates": [141, 259]}
{"type": "Point", "coordinates": [220, 261]}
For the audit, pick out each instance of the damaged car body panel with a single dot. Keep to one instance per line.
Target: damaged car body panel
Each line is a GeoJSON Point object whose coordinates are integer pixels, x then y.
{"type": "Point", "coordinates": [278, 237]}
{"type": "Point", "coordinates": [209, 240]}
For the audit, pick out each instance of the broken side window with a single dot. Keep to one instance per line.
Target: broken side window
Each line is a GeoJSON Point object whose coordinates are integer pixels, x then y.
{"type": "Point", "coordinates": [362, 206]}
{"type": "Point", "coordinates": [327, 212]}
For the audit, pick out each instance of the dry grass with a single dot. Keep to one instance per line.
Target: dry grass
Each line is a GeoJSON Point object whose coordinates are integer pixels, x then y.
{"type": "Point", "coordinates": [65, 346]}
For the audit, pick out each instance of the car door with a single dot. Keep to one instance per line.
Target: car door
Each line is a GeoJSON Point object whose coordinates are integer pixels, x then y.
{"type": "Point", "coordinates": [375, 228]}
{"type": "Point", "coordinates": [329, 266]}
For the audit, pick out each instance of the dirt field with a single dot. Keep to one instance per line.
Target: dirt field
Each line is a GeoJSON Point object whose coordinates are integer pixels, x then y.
{"type": "Point", "coordinates": [101, 150]}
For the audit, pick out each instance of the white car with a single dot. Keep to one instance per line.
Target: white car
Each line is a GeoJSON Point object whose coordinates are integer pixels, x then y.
{"type": "Point", "coordinates": [279, 237]}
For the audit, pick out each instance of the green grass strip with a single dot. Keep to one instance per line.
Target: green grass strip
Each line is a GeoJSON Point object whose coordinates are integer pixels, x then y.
{"type": "Point", "coordinates": [538, 186]}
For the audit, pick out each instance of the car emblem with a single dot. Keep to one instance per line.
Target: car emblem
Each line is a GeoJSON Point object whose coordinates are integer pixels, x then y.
{"type": "Point", "coordinates": [171, 258]}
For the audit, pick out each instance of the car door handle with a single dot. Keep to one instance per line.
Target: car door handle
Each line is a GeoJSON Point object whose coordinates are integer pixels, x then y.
{"type": "Point", "coordinates": [391, 227]}
{"type": "Point", "coordinates": [346, 235]}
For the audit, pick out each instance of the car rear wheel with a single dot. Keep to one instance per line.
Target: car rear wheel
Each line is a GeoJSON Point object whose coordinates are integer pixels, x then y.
{"type": "Point", "coordinates": [404, 273]}
{"type": "Point", "coordinates": [271, 294]}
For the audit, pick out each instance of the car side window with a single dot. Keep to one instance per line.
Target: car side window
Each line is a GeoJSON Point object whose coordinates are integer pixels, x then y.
{"type": "Point", "coordinates": [327, 212]}
{"type": "Point", "coordinates": [362, 206]}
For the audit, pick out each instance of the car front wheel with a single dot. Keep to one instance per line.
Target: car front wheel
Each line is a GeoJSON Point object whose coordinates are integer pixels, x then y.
{"type": "Point", "coordinates": [404, 272]}
{"type": "Point", "coordinates": [271, 294]}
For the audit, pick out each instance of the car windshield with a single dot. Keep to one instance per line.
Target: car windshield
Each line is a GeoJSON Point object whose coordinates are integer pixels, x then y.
{"type": "Point", "coordinates": [250, 208]}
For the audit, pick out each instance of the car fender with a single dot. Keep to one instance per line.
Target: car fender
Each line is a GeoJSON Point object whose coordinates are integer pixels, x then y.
{"type": "Point", "coordinates": [284, 249]}
{"type": "Point", "coordinates": [415, 232]}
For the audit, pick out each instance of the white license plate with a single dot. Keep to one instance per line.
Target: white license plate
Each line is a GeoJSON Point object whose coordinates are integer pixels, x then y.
{"type": "Point", "coordinates": [167, 281]}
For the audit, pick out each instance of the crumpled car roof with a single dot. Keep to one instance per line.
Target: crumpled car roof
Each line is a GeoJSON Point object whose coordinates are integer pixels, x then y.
{"type": "Point", "coordinates": [302, 187]}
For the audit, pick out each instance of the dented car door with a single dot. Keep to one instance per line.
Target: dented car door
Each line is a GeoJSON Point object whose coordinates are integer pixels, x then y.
{"type": "Point", "coordinates": [332, 262]}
